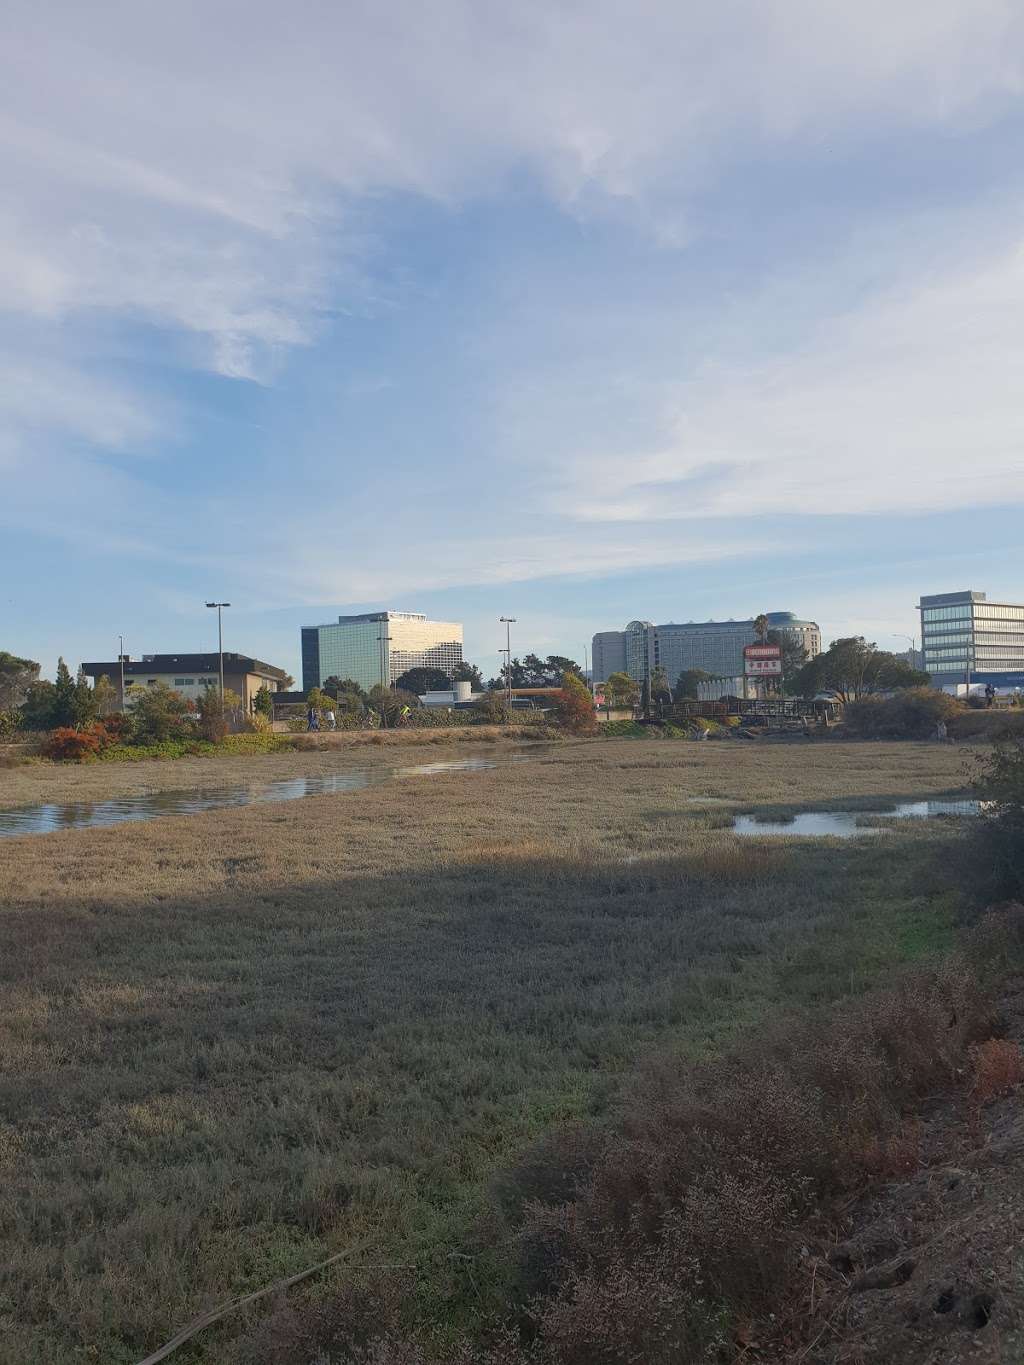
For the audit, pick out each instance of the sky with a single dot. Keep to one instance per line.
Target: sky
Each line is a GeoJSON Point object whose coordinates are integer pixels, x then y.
{"type": "Point", "coordinates": [574, 312]}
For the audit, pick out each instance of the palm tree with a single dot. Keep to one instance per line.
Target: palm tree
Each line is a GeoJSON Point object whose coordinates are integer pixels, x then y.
{"type": "Point", "coordinates": [761, 626]}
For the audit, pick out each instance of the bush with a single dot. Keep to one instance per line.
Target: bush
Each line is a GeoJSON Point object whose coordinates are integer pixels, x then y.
{"type": "Point", "coordinates": [993, 868]}
{"type": "Point", "coordinates": [10, 722]}
{"type": "Point", "coordinates": [576, 706]}
{"type": "Point", "coordinates": [159, 713]}
{"type": "Point", "coordinates": [67, 745]}
{"type": "Point", "coordinates": [911, 714]}
{"type": "Point", "coordinates": [695, 1196]}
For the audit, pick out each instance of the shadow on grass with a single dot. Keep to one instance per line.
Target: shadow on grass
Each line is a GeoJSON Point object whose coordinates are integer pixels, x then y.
{"type": "Point", "coordinates": [205, 1093]}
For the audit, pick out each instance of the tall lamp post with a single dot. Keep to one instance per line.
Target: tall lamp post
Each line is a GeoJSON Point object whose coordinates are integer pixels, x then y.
{"type": "Point", "coordinates": [509, 622]}
{"type": "Point", "coordinates": [120, 642]}
{"type": "Point", "coordinates": [382, 644]}
{"type": "Point", "coordinates": [220, 648]}
{"type": "Point", "coordinates": [912, 639]}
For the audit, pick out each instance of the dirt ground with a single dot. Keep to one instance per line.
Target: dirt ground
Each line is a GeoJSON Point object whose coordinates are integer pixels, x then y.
{"type": "Point", "coordinates": [931, 1268]}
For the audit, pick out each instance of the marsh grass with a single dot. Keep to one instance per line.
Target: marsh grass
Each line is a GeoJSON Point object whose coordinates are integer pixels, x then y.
{"type": "Point", "coordinates": [233, 1042]}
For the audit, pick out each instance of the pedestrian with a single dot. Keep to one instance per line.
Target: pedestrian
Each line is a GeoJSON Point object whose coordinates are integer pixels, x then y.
{"type": "Point", "coordinates": [990, 694]}
{"type": "Point", "coordinates": [941, 731]}
{"type": "Point", "coordinates": [331, 722]}
{"type": "Point", "coordinates": [312, 719]}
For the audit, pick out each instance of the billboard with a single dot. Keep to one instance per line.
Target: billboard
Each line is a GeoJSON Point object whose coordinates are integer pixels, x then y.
{"type": "Point", "coordinates": [761, 661]}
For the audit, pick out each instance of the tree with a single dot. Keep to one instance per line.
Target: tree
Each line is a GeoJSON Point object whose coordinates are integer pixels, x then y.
{"type": "Point", "coordinates": [467, 672]}
{"type": "Point", "coordinates": [390, 702]}
{"type": "Point", "coordinates": [38, 707]}
{"type": "Point", "coordinates": [263, 702]}
{"type": "Point", "coordinates": [16, 677]}
{"type": "Point", "coordinates": [159, 713]}
{"type": "Point", "coordinates": [621, 690]}
{"type": "Point", "coordinates": [63, 697]}
{"type": "Point", "coordinates": [794, 656]}
{"type": "Point", "coordinates": [320, 700]}
{"type": "Point", "coordinates": [420, 680]}
{"type": "Point", "coordinates": [106, 697]}
{"type": "Point", "coordinates": [347, 693]}
{"type": "Point", "coordinates": [688, 682]}
{"type": "Point", "coordinates": [493, 707]}
{"type": "Point", "coordinates": [549, 672]}
{"type": "Point", "coordinates": [761, 626]}
{"type": "Point", "coordinates": [660, 690]}
{"type": "Point", "coordinates": [520, 677]}
{"type": "Point", "coordinates": [851, 668]}
{"type": "Point", "coordinates": [576, 705]}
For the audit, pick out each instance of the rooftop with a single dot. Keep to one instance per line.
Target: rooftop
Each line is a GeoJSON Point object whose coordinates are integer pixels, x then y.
{"type": "Point", "coordinates": [185, 663]}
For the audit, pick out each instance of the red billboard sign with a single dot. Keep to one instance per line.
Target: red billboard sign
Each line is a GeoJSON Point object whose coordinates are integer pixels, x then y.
{"type": "Point", "coordinates": [762, 660]}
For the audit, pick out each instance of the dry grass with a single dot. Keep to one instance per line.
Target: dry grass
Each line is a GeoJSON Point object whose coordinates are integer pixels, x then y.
{"type": "Point", "coordinates": [233, 1042]}
{"type": "Point", "coordinates": [998, 1068]}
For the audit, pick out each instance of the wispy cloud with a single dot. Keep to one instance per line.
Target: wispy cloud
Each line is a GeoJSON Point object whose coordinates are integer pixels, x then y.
{"type": "Point", "coordinates": [200, 172]}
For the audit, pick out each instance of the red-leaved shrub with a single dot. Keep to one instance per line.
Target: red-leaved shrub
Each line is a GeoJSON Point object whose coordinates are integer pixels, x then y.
{"type": "Point", "coordinates": [72, 746]}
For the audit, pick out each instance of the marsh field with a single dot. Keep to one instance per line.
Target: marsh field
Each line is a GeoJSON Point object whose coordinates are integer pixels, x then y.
{"type": "Point", "coordinates": [233, 1043]}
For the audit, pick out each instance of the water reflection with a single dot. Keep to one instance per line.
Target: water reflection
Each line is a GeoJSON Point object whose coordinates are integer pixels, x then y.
{"type": "Point", "coordinates": [843, 824]}
{"type": "Point", "coordinates": [48, 817]}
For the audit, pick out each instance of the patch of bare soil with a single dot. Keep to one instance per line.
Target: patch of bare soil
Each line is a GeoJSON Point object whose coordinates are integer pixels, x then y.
{"type": "Point", "coordinates": [930, 1268]}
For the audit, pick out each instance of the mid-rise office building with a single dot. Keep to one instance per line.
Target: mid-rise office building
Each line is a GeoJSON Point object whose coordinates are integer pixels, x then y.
{"type": "Point", "coordinates": [715, 647]}
{"type": "Point", "coordinates": [377, 647]}
{"type": "Point", "coordinates": [965, 638]}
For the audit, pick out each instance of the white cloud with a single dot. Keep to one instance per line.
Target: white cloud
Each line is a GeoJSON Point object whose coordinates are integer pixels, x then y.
{"type": "Point", "coordinates": [180, 162]}
{"type": "Point", "coordinates": [198, 168]}
{"type": "Point", "coordinates": [910, 403]}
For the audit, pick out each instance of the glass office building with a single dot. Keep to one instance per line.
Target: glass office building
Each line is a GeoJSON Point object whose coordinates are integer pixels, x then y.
{"type": "Point", "coordinates": [715, 647]}
{"type": "Point", "coordinates": [965, 638]}
{"type": "Point", "coordinates": [378, 647]}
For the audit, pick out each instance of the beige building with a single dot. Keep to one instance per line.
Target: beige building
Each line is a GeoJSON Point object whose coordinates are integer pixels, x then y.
{"type": "Point", "coordinates": [191, 674]}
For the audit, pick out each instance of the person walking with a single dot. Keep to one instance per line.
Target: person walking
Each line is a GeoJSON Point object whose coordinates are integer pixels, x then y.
{"type": "Point", "coordinates": [331, 722]}
{"type": "Point", "coordinates": [312, 719]}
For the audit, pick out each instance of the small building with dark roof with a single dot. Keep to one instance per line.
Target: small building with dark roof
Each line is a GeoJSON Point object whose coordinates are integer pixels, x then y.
{"type": "Point", "coordinates": [190, 674]}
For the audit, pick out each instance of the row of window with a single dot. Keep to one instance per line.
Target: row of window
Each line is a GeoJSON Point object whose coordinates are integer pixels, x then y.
{"type": "Point", "coordinates": [947, 613]}
{"type": "Point", "coordinates": [955, 638]}
{"type": "Point", "coordinates": [984, 612]}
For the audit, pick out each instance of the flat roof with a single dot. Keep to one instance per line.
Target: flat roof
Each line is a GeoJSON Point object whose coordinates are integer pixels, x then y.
{"type": "Point", "coordinates": [185, 663]}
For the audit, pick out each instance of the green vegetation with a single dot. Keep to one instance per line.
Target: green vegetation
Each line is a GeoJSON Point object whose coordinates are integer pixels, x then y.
{"type": "Point", "coordinates": [852, 668]}
{"type": "Point", "coordinates": [914, 713]}
{"type": "Point", "coordinates": [239, 1041]}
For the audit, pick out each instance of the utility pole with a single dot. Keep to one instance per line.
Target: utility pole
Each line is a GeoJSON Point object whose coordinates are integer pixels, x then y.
{"type": "Point", "coordinates": [220, 649]}
{"type": "Point", "coordinates": [120, 643]}
{"type": "Point", "coordinates": [509, 621]}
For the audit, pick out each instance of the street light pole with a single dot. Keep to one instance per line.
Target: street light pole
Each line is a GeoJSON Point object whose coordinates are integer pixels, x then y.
{"type": "Point", "coordinates": [220, 649]}
{"type": "Point", "coordinates": [120, 642]}
{"type": "Point", "coordinates": [913, 645]}
{"type": "Point", "coordinates": [382, 644]}
{"type": "Point", "coordinates": [509, 621]}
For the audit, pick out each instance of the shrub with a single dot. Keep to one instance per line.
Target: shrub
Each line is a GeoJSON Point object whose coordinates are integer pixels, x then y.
{"type": "Point", "coordinates": [710, 1170]}
{"type": "Point", "coordinates": [910, 714]}
{"type": "Point", "coordinates": [67, 745]}
{"type": "Point", "coordinates": [993, 865]}
{"type": "Point", "coordinates": [10, 722]}
{"type": "Point", "coordinates": [117, 727]}
{"type": "Point", "coordinates": [998, 1069]}
{"type": "Point", "coordinates": [576, 706]}
{"type": "Point", "coordinates": [159, 713]}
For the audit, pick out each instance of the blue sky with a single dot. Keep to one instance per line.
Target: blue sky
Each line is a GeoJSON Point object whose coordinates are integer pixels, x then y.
{"type": "Point", "coordinates": [572, 312]}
